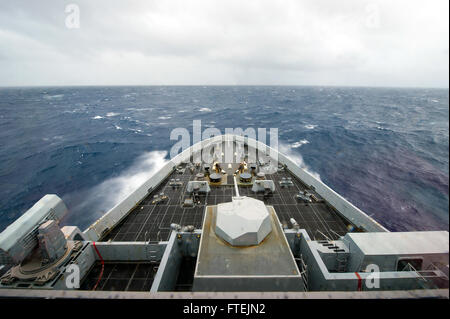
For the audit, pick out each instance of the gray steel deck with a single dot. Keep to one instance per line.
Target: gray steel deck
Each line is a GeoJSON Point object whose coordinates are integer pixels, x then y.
{"type": "Point", "coordinates": [121, 276]}
{"type": "Point", "coordinates": [151, 222]}
{"type": "Point", "coordinates": [271, 257]}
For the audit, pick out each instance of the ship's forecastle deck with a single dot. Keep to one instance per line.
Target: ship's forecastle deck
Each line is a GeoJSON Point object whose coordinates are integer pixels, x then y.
{"type": "Point", "coordinates": [150, 220]}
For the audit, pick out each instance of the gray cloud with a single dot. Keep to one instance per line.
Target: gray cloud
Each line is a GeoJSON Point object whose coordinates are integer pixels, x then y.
{"type": "Point", "coordinates": [315, 42]}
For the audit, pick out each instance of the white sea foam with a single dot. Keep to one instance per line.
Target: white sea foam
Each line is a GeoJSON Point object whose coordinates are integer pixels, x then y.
{"type": "Point", "coordinates": [110, 114]}
{"type": "Point", "coordinates": [106, 195]}
{"type": "Point", "coordinates": [97, 117]}
{"type": "Point", "coordinates": [117, 127]}
{"type": "Point", "coordinates": [310, 126]}
{"type": "Point", "coordinates": [164, 117]}
{"type": "Point", "coordinates": [296, 158]}
{"type": "Point", "coordinates": [205, 109]}
{"type": "Point", "coordinates": [53, 97]}
{"type": "Point", "coordinates": [299, 143]}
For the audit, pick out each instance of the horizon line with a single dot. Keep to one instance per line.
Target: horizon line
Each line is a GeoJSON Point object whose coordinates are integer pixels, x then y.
{"type": "Point", "coordinates": [221, 85]}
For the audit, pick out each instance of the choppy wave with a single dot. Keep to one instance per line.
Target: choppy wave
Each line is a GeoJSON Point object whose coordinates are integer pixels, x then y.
{"type": "Point", "coordinates": [297, 158]}
{"type": "Point", "coordinates": [299, 143]}
{"type": "Point", "coordinates": [53, 97]}
{"type": "Point", "coordinates": [101, 198]}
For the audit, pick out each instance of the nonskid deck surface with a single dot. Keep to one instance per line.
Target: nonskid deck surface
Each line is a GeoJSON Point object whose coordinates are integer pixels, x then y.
{"type": "Point", "coordinates": [151, 222]}
{"type": "Point", "coordinates": [121, 276]}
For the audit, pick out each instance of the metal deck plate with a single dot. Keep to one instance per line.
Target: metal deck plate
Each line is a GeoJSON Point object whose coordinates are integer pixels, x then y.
{"type": "Point", "coordinates": [218, 258]}
{"type": "Point", "coordinates": [265, 265]}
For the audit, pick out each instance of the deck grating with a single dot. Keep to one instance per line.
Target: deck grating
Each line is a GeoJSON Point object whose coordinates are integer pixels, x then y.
{"type": "Point", "coordinates": [121, 276]}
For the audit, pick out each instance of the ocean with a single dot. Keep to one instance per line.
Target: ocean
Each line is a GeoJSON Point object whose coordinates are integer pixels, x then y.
{"type": "Point", "coordinates": [386, 150]}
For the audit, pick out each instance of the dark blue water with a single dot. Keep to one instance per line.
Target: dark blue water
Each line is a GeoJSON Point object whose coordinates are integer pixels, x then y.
{"type": "Point", "coordinates": [385, 150]}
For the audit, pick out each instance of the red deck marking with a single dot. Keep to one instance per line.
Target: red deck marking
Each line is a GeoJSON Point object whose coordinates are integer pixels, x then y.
{"type": "Point", "coordinates": [359, 281]}
{"type": "Point", "coordinates": [103, 266]}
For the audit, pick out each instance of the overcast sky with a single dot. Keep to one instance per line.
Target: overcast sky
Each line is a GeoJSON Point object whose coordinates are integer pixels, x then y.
{"type": "Point", "coordinates": [282, 42]}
